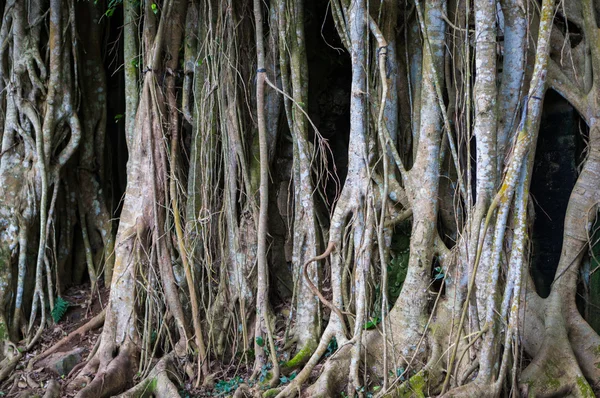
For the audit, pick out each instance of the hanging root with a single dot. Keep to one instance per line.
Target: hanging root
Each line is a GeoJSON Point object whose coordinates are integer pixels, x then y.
{"type": "Point", "coordinates": [316, 291]}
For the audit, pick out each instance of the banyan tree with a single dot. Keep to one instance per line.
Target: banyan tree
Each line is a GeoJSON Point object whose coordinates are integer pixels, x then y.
{"type": "Point", "coordinates": [303, 198]}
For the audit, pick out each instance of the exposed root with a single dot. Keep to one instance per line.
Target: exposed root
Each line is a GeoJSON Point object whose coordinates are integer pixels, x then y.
{"type": "Point", "coordinates": [300, 358]}
{"type": "Point", "coordinates": [8, 365]}
{"type": "Point", "coordinates": [158, 383]}
{"type": "Point", "coordinates": [52, 389]}
{"type": "Point", "coordinates": [334, 375]}
{"type": "Point", "coordinates": [101, 379]}
{"type": "Point", "coordinates": [555, 368]}
{"type": "Point", "coordinates": [294, 387]}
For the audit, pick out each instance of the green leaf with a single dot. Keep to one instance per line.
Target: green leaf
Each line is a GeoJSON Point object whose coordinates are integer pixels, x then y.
{"type": "Point", "coordinates": [154, 8]}
{"type": "Point", "coordinates": [372, 323]}
{"type": "Point", "coordinates": [59, 310]}
{"type": "Point", "coordinates": [260, 341]}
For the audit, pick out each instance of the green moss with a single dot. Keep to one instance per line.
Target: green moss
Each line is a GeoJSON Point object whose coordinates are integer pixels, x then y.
{"type": "Point", "coordinates": [414, 387]}
{"type": "Point", "coordinates": [300, 358]}
{"type": "Point", "coordinates": [3, 331]}
{"type": "Point", "coordinates": [271, 393]}
{"type": "Point", "coordinates": [584, 388]}
{"type": "Point", "coordinates": [152, 385]}
{"type": "Point", "coordinates": [552, 382]}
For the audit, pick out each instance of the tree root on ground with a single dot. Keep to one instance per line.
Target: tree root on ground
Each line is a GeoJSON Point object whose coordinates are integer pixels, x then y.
{"type": "Point", "coordinates": [8, 365]}
{"type": "Point", "coordinates": [68, 340]}
{"type": "Point", "coordinates": [296, 384]}
{"type": "Point", "coordinates": [52, 389]}
{"type": "Point", "coordinates": [556, 367]}
{"type": "Point", "coordinates": [106, 374]}
{"type": "Point", "coordinates": [158, 383]}
{"type": "Point", "coordinates": [301, 357]}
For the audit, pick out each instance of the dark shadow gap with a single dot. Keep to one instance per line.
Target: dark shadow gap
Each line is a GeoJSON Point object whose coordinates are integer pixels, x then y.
{"type": "Point", "coordinates": [557, 156]}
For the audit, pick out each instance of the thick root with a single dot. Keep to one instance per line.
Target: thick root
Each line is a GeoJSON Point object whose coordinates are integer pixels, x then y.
{"type": "Point", "coordinates": [8, 365]}
{"type": "Point", "coordinates": [334, 375]}
{"type": "Point", "coordinates": [158, 383]}
{"type": "Point", "coordinates": [585, 343]}
{"type": "Point", "coordinates": [52, 389]}
{"type": "Point", "coordinates": [294, 387]}
{"type": "Point", "coordinates": [103, 380]}
{"type": "Point", "coordinates": [555, 370]}
{"type": "Point", "coordinates": [301, 358]}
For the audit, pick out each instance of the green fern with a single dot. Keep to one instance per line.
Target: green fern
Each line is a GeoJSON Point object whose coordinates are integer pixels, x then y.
{"type": "Point", "coordinates": [60, 308]}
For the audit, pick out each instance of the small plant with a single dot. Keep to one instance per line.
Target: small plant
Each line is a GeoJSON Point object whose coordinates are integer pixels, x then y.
{"type": "Point", "coordinates": [184, 394]}
{"type": "Point", "coordinates": [264, 372]}
{"type": "Point", "coordinates": [112, 6]}
{"type": "Point", "coordinates": [372, 323]}
{"type": "Point", "coordinates": [287, 379]}
{"type": "Point", "coordinates": [60, 308]}
{"type": "Point", "coordinates": [223, 387]}
{"type": "Point", "coordinates": [331, 347]}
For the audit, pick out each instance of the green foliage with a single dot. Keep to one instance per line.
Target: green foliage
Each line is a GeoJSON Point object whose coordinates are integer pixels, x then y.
{"type": "Point", "coordinates": [399, 373]}
{"type": "Point", "coordinates": [264, 372]}
{"type": "Point", "coordinates": [287, 379]}
{"type": "Point", "coordinates": [60, 308]}
{"type": "Point", "coordinates": [154, 8]}
{"type": "Point", "coordinates": [184, 394]}
{"type": "Point", "coordinates": [331, 347]}
{"type": "Point", "coordinates": [372, 323]}
{"type": "Point", "coordinates": [112, 7]}
{"type": "Point", "coordinates": [226, 387]}
{"type": "Point", "coordinates": [439, 273]}
{"type": "Point", "coordinates": [260, 341]}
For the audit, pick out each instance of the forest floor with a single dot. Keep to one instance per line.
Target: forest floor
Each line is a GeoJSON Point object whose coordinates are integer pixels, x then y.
{"type": "Point", "coordinates": [45, 367]}
{"type": "Point", "coordinates": [33, 375]}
